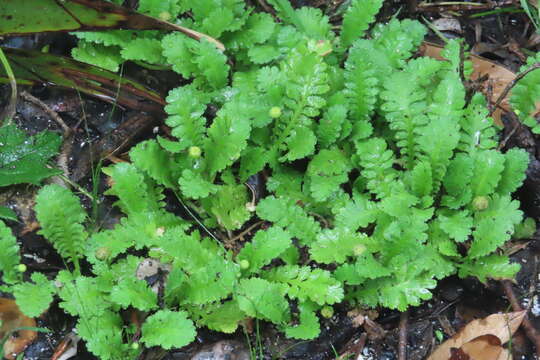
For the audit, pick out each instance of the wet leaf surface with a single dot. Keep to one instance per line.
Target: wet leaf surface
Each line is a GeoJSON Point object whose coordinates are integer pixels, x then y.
{"type": "Point", "coordinates": [24, 159]}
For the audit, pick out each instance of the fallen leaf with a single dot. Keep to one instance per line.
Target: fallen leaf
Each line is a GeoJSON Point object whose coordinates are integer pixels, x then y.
{"type": "Point", "coordinates": [12, 318]}
{"type": "Point", "coordinates": [498, 76]}
{"type": "Point", "coordinates": [485, 347]}
{"type": "Point", "coordinates": [502, 326]}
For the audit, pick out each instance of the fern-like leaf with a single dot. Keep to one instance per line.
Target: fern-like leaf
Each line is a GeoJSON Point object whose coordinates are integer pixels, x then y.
{"type": "Point", "coordinates": [186, 106]}
{"type": "Point", "coordinates": [227, 137]}
{"type": "Point", "coordinates": [515, 163]}
{"type": "Point", "coordinates": [357, 18]}
{"type": "Point", "coordinates": [61, 216]}
{"type": "Point", "coordinates": [285, 213]}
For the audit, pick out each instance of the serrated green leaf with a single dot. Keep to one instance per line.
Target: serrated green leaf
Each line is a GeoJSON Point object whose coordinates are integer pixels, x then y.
{"type": "Point", "coordinates": [488, 168]}
{"type": "Point", "coordinates": [305, 283]}
{"type": "Point", "coordinates": [106, 57]}
{"type": "Point", "coordinates": [327, 170]}
{"type": "Point", "coordinates": [34, 299]}
{"type": "Point", "coordinates": [265, 246]}
{"type": "Point", "coordinates": [155, 161]}
{"type": "Point", "coordinates": [133, 292]}
{"type": "Point", "coordinates": [9, 256]}
{"type": "Point", "coordinates": [494, 225]}
{"type": "Point", "coordinates": [263, 300]}
{"type": "Point", "coordinates": [457, 225]}
{"type": "Point", "coordinates": [336, 245]}
{"type": "Point", "coordinates": [308, 328]}
{"type": "Point", "coordinates": [285, 213]}
{"type": "Point", "coordinates": [61, 215]}
{"type": "Point", "coordinates": [515, 163]}
{"type": "Point", "coordinates": [168, 329]}
{"type": "Point", "coordinates": [194, 186]}
{"type": "Point", "coordinates": [357, 18]}
{"type": "Point", "coordinates": [497, 267]}
{"type": "Point", "coordinates": [226, 139]}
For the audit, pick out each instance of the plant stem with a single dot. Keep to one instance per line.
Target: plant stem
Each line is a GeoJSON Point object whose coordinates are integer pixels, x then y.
{"type": "Point", "coordinates": [9, 111]}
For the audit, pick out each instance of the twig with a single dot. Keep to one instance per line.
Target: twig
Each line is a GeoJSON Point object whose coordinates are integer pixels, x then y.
{"type": "Point", "coordinates": [529, 328]}
{"type": "Point", "coordinates": [248, 230]}
{"type": "Point", "coordinates": [510, 85]}
{"type": "Point", "coordinates": [53, 114]}
{"type": "Point", "coordinates": [267, 7]}
{"type": "Point", "coordinates": [446, 6]}
{"type": "Point", "coordinates": [502, 144]}
{"type": "Point", "coordinates": [63, 158]}
{"type": "Point", "coordinates": [402, 345]}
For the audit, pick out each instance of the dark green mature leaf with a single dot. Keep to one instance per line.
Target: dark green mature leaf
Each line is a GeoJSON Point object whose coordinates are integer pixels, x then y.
{"type": "Point", "coordinates": [7, 214]}
{"type": "Point", "coordinates": [24, 159]}
{"type": "Point", "coordinates": [19, 17]}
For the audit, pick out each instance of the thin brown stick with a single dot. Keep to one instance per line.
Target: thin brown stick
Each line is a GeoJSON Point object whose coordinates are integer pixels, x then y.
{"type": "Point", "coordinates": [402, 345]}
{"type": "Point", "coordinates": [460, 6]}
{"type": "Point", "coordinates": [247, 231]}
{"type": "Point", "coordinates": [53, 114]}
{"type": "Point", "coordinates": [510, 85]}
{"type": "Point", "coordinates": [529, 328]}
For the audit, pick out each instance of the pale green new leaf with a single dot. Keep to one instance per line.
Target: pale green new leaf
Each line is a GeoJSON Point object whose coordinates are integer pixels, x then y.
{"type": "Point", "coordinates": [228, 206]}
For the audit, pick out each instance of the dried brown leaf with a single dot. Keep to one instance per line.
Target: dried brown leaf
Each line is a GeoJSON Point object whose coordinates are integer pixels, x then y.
{"type": "Point", "coordinates": [485, 347]}
{"type": "Point", "coordinates": [502, 326]}
{"type": "Point", "coordinates": [12, 318]}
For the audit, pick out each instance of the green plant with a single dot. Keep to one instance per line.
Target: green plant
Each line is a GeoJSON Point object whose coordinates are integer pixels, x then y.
{"type": "Point", "coordinates": [382, 176]}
